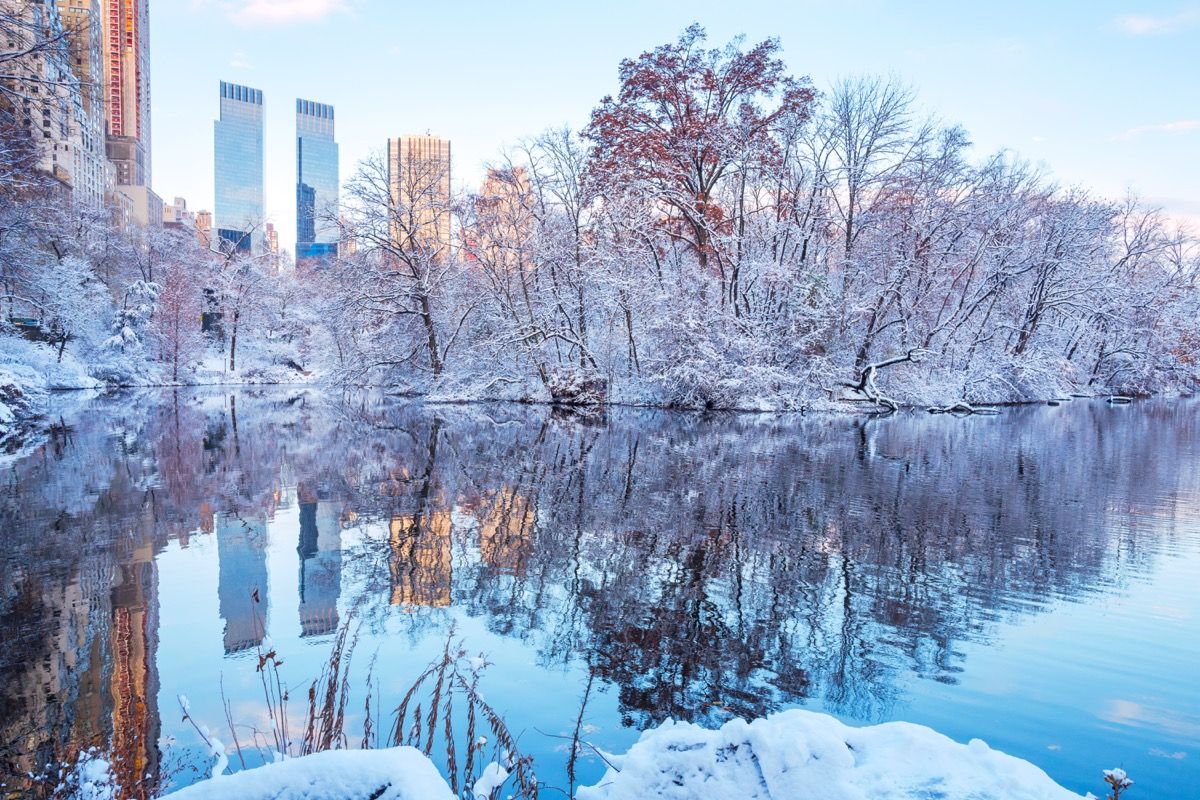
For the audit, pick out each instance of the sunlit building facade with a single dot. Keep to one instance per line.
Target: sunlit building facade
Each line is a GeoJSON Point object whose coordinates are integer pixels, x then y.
{"type": "Point", "coordinates": [271, 243]}
{"type": "Point", "coordinates": [41, 92]}
{"type": "Point", "coordinates": [419, 184]}
{"type": "Point", "coordinates": [176, 215]}
{"type": "Point", "coordinates": [316, 184]}
{"type": "Point", "coordinates": [125, 27]}
{"type": "Point", "coordinates": [204, 226]}
{"type": "Point", "coordinates": [93, 176]}
{"type": "Point", "coordinates": [238, 168]}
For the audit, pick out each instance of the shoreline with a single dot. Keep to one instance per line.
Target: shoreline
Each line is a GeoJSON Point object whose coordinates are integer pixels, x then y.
{"type": "Point", "coordinates": [22, 431]}
{"type": "Point", "coordinates": [845, 406]}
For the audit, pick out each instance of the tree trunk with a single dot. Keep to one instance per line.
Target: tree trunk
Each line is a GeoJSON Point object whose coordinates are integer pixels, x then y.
{"type": "Point", "coordinates": [233, 343]}
{"type": "Point", "coordinates": [431, 341]}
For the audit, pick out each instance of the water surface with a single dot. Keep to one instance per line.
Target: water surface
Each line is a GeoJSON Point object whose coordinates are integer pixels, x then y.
{"type": "Point", "coordinates": [1031, 579]}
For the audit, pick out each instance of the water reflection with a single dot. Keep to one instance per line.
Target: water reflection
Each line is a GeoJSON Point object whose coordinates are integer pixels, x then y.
{"type": "Point", "coordinates": [698, 566]}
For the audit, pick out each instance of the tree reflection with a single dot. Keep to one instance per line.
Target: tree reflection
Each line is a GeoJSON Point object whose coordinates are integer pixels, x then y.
{"type": "Point", "coordinates": [703, 566]}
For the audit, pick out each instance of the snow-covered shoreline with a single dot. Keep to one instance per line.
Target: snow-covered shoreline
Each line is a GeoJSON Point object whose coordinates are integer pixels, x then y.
{"type": "Point", "coordinates": [25, 393]}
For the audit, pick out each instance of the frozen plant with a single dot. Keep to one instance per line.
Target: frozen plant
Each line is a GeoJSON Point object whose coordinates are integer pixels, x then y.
{"type": "Point", "coordinates": [1118, 780]}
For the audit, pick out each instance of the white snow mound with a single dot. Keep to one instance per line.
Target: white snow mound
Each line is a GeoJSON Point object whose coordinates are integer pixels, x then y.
{"type": "Point", "coordinates": [396, 773]}
{"type": "Point", "coordinates": [804, 754]}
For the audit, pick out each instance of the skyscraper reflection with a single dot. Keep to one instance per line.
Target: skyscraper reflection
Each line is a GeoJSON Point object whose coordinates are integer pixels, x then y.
{"type": "Point", "coordinates": [320, 550]}
{"type": "Point", "coordinates": [420, 560]}
{"type": "Point", "coordinates": [242, 581]}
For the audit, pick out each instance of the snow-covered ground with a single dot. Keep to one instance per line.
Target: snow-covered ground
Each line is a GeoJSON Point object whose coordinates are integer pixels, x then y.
{"type": "Point", "coordinates": [804, 754]}
{"type": "Point", "coordinates": [789, 755]}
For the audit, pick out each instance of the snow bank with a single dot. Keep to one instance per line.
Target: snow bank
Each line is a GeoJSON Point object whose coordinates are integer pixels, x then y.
{"type": "Point", "coordinates": [397, 773]}
{"type": "Point", "coordinates": [804, 754]}
{"type": "Point", "coordinates": [28, 373]}
{"type": "Point", "coordinates": [22, 395]}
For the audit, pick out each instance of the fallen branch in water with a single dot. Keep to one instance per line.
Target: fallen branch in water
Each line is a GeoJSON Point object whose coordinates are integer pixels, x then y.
{"type": "Point", "coordinates": [866, 386]}
{"type": "Point", "coordinates": [961, 408]}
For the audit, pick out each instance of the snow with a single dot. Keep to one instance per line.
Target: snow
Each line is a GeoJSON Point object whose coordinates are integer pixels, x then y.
{"type": "Point", "coordinates": [95, 779]}
{"type": "Point", "coordinates": [1117, 779]}
{"type": "Point", "coordinates": [89, 778]}
{"type": "Point", "coordinates": [397, 773]}
{"type": "Point", "coordinates": [788, 755]}
{"type": "Point", "coordinates": [802, 754]}
{"type": "Point", "coordinates": [491, 779]}
{"type": "Point", "coordinates": [28, 373]}
{"type": "Point", "coordinates": [217, 750]}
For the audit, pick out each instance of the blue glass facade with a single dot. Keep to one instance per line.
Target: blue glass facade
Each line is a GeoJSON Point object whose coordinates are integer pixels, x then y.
{"type": "Point", "coordinates": [316, 183]}
{"type": "Point", "coordinates": [238, 168]}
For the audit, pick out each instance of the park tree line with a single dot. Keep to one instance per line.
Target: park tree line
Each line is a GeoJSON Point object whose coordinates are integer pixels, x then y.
{"type": "Point", "coordinates": [721, 234]}
{"type": "Point", "coordinates": [724, 234]}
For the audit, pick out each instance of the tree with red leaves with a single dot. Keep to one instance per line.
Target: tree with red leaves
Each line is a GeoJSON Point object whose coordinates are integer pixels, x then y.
{"type": "Point", "coordinates": [688, 119]}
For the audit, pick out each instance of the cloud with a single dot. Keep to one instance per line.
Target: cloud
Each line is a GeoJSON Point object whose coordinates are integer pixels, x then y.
{"type": "Point", "coordinates": [1145, 25]}
{"type": "Point", "coordinates": [1179, 126]}
{"type": "Point", "coordinates": [1178, 755]}
{"type": "Point", "coordinates": [1184, 212]}
{"type": "Point", "coordinates": [239, 61]}
{"type": "Point", "coordinates": [276, 12]}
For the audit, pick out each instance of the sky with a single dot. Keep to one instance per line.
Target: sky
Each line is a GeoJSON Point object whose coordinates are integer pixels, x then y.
{"type": "Point", "coordinates": [1103, 94]}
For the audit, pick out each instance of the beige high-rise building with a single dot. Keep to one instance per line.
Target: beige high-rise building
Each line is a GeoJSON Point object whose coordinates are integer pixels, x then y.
{"type": "Point", "coordinates": [94, 176]}
{"type": "Point", "coordinates": [271, 236]}
{"type": "Point", "coordinates": [146, 207]}
{"type": "Point", "coordinates": [504, 225]}
{"type": "Point", "coordinates": [41, 90]}
{"type": "Point", "coordinates": [419, 184]}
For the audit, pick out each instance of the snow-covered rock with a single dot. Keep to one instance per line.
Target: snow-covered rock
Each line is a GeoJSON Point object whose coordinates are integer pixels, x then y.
{"type": "Point", "coordinates": [804, 754]}
{"type": "Point", "coordinates": [396, 773]}
{"type": "Point", "coordinates": [22, 395]}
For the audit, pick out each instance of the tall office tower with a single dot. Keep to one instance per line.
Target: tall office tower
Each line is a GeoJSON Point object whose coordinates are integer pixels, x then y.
{"type": "Point", "coordinates": [126, 35]}
{"type": "Point", "coordinates": [316, 184]}
{"type": "Point", "coordinates": [94, 177]}
{"type": "Point", "coordinates": [238, 168]}
{"type": "Point", "coordinates": [419, 183]}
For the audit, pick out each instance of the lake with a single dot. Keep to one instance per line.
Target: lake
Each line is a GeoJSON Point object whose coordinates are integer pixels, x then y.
{"type": "Point", "coordinates": [1031, 579]}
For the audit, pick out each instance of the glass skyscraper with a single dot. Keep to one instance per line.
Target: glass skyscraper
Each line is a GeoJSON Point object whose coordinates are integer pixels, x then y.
{"type": "Point", "coordinates": [238, 168]}
{"type": "Point", "coordinates": [316, 184]}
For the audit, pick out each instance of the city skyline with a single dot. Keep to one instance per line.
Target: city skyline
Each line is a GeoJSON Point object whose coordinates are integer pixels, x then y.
{"type": "Point", "coordinates": [1095, 95]}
